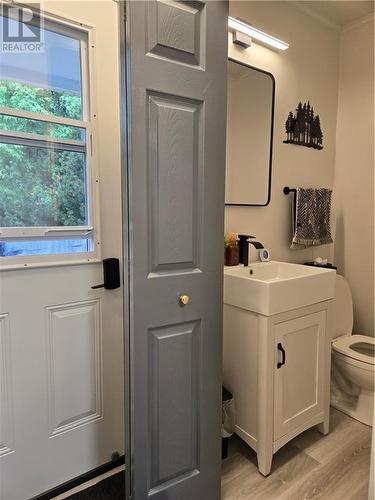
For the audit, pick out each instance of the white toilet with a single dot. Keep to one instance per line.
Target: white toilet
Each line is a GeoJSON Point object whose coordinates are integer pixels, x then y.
{"type": "Point", "coordinates": [352, 381]}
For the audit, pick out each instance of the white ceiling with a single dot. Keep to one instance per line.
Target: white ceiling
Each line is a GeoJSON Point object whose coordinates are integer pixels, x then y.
{"type": "Point", "coordinates": [338, 12]}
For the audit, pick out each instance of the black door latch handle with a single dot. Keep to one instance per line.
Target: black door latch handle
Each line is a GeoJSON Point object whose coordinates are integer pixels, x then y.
{"type": "Point", "coordinates": [283, 357]}
{"type": "Point", "coordinates": [111, 274]}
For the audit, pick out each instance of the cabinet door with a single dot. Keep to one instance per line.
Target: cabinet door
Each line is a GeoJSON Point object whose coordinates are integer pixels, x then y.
{"type": "Point", "coordinates": [299, 372]}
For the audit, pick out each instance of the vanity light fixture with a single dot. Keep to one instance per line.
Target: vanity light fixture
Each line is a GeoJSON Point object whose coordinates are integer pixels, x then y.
{"type": "Point", "coordinates": [239, 26]}
{"type": "Point", "coordinates": [241, 39]}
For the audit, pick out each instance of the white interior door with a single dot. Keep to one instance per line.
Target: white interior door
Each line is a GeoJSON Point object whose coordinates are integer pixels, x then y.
{"type": "Point", "coordinates": [61, 348]}
{"type": "Point", "coordinates": [299, 375]}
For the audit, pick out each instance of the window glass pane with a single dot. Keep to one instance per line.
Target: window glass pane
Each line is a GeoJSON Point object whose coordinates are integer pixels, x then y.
{"type": "Point", "coordinates": [44, 82]}
{"type": "Point", "coordinates": [39, 127]}
{"type": "Point", "coordinates": [44, 247]}
{"type": "Point", "coordinates": [42, 187]}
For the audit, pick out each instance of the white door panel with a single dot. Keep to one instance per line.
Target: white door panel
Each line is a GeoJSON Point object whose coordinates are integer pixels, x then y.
{"type": "Point", "coordinates": [61, 346]}
{"type": "Point", "coordinates": [74, 339]}
{"type": "Point", "coordinates": [298, 381]}
{"type": "Point", "coordinates": [64, 388]}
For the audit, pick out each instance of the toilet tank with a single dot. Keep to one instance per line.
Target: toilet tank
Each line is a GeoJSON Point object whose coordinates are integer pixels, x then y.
{"type": "Point", "coordinates": [341, 309]}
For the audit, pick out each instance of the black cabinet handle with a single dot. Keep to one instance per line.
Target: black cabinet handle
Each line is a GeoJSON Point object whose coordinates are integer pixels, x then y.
{"type": "Point", "coordinates": [111, 274]}
{"type": "Point", "coordinates": [283, 358]}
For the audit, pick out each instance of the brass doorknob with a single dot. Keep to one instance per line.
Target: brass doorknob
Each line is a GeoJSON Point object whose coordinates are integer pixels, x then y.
{"type": "Point", "coordinates": [184, 300]}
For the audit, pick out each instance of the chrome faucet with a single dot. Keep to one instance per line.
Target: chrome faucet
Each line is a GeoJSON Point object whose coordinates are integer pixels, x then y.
{"type": "Point", "coordinates": [244, 241]}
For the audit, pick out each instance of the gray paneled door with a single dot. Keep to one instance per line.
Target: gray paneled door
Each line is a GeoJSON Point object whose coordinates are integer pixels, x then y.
{"type": "Point", "coordinates": [177, 71]}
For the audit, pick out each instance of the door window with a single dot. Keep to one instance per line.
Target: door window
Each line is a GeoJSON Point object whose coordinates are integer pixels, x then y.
{"type": "Point", "coordinates": [46, 161]}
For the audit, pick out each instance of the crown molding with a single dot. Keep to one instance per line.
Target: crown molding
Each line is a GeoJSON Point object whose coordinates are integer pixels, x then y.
{"type": "Point", "coordinates": [335, 27]}
{"type": "Point", "coordinates": [359, 22]}
{"type": "Point", "coordinates": [310, 12]}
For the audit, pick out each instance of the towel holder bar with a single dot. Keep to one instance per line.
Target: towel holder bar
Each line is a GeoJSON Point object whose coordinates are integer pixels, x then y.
{"type": "Point", "coordinates": [288, 190]}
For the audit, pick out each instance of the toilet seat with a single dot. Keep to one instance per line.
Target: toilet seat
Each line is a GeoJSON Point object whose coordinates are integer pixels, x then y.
{"type": "Point", "coordinates": [343, 346]}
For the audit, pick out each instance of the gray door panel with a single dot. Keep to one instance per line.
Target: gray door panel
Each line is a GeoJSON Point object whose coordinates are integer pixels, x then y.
{"type": "Point", "coordinates": [177, 57]}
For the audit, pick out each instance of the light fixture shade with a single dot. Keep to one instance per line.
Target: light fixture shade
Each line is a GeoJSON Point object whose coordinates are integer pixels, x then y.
{"type": "Point", "coordinates": [237, 25]}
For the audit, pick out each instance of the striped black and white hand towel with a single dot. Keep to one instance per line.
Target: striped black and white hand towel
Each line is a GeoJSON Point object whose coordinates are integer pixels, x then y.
{"type": "Point", "coordinates": [311, 218]}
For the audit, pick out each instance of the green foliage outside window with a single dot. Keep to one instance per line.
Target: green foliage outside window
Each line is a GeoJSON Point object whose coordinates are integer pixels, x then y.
{"type": "Point", "coordinates": [41, 186]}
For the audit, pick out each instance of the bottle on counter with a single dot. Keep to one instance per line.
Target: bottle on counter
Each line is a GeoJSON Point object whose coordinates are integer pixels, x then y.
{"type": "Point", "coordinates": [232, 252]}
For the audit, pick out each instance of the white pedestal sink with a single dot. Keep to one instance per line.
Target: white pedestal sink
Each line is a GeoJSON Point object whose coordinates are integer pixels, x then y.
{"type": "Point", "coordinates": [277, 352]}
{"type": "Point", "coordinates": [272, 287]}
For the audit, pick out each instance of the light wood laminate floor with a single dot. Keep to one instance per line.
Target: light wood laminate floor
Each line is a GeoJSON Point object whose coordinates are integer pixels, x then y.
{"type": "Point", "coordinates": [312, 466]}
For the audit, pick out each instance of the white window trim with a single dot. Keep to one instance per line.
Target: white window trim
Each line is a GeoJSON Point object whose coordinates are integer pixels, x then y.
{"type": "Point", "coordinates": [59, 120]}
{"type": "Point", "coordinates": [90, 147]}
{"type": "Point", "coordinates": [41, 232]}
{"type": "Point", "coordinates": [11, 137]}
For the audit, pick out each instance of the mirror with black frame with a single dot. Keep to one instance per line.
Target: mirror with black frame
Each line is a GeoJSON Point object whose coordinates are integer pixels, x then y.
{"type": "Point", "coordinates": [250, 109]}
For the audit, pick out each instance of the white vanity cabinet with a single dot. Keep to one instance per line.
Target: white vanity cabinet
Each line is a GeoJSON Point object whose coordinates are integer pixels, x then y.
{"type": "Point", "coordinates": [278, 369]}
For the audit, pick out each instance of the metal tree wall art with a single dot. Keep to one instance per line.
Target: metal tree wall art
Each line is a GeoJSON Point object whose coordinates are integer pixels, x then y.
{"type": "Point", "coordinates": [303, 128]}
